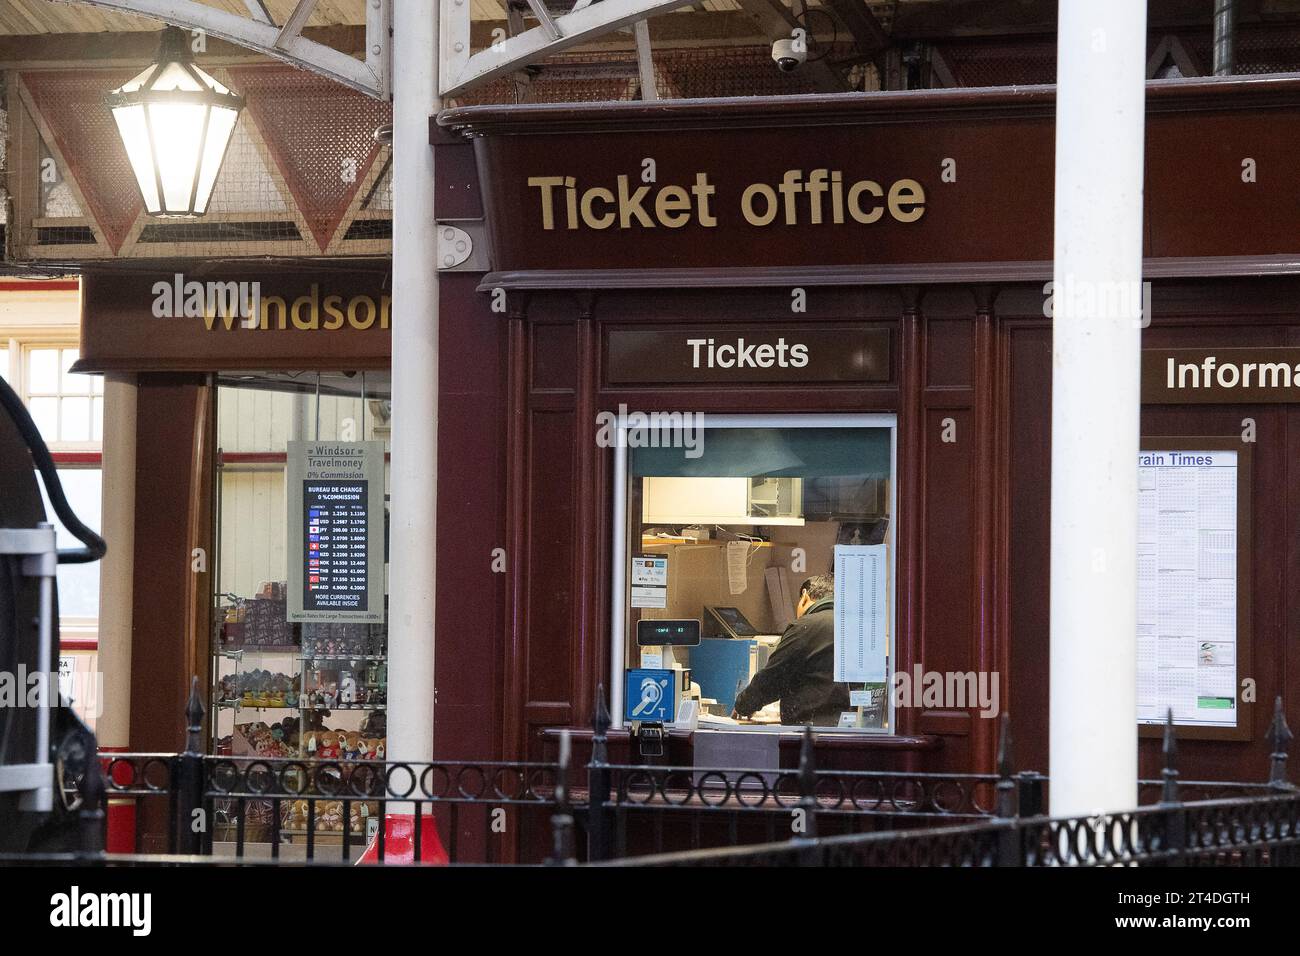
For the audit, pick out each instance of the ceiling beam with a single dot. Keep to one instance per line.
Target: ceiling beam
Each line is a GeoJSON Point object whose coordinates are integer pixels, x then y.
{"type": "Point", "coordinates": [461, 70]}
{"type": "Point", "coordinates": [264, 38]}
{"type": "Point", "coordinates": [293, 26]}
{"type": "Point", "coordinates": [943, 19]}
{"type": "Point", "coordinates": [868, 35]}
{"type": "Point", "coordinates": [257, 10]}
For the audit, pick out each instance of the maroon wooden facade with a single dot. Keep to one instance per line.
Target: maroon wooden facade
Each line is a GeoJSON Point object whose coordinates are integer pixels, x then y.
{"type": "Point", "coordinates": [961, 298]}
{"type": "Point", "coordinates": [973, 559]}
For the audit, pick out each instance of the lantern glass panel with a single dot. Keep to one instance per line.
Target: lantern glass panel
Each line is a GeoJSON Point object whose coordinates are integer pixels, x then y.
{"type": "Point", "coordinates": [211, 81]}
{"type": "Point", "coordinates": [178, 132]}
{"type": "Point", "coordinates": [220, 127]}
{"type": "Point", "coordinates": [137, 82]}
{"type": "Point", "coordinates": [176, 77]}
{"type": "Point", "coordinates": [135, 136]}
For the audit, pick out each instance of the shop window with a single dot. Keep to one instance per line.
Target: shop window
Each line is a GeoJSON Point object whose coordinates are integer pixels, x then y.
{"type": "Point", "coordinates": [68, 408]}
{"type": "Point", "coordinates": [283, 688]}
{"type": "Point", "coordinates": [776, 535]}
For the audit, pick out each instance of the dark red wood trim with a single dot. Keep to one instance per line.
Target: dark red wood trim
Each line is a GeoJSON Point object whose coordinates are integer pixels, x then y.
{"type": "Point", "coordinates": [515, 648]}
{"type": "Point", "coordinates": [339, 363]}
{"type": "Point", "coordinates": [252, 458]}
{"type": "Point", "coordinates": [773, 399]}
{"type": "Point", "coordinates": [1180, 267]}
{"type": "Point", "coordinates": [587, 630]}
{"type": "Point", "coordinates": [829, 741]}
{"type": "Point", "coordinates": [1001, 504]}
{"type": "Point", "coordinates": [78, 643]}
{"type": "Point", "coordinates": [908, 497]}
{"type": "Point", "coordinates": [40, 285]}
{"type": "Point", "coordinates": [85, 459]}
{"type": "Point", "coordinates": [984, 495]}
{"type": "Point", "coordinates": [909, 106]}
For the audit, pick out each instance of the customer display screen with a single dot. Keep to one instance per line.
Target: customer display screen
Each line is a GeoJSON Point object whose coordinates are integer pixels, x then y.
{"type": "Point", "coordinates": [335, 546]}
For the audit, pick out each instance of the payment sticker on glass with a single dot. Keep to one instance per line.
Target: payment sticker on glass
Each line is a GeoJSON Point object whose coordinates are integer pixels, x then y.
{"type": "Point", "coordinates": [650, 580]}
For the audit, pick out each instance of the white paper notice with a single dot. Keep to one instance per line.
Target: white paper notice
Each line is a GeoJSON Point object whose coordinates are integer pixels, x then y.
{"type": "Point", "coordinates": [861, 613]}
{"type": "Point", "coordinates": [1187, 587]}
{"type": "Point", "coordinates": [737, 566]}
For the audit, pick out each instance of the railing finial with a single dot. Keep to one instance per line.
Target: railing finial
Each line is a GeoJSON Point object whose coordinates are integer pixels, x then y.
{"type": "Point", "coordinates": [1169, 773]}
{"type": "Point", "coordinates": [1006, 787]}
{"type": "Point", "coordinates": [194, 719]}
{"type": "Point", "coordinates": [600, 726]}
{"type": "Point", "coordinates": [808, 792]}
{"type": "Point", "coordinates": [807, 763]}
{"type": "Point", "coordinates": [1006, 764]}
{"type": "Point", "coordinates": [1280, 736]}
{"type": "Point", "coordinates": [91, 815]}
{"type": "Point", "coordinates": [600, 720]}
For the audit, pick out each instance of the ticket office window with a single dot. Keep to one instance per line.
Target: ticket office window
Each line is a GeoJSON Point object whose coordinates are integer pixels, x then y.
{"type": "Point", "coordinates": [740, 527]}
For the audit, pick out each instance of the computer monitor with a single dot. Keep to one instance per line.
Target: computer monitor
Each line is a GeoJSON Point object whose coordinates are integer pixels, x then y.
{"type": "Point", "coordinates": [729, 622]}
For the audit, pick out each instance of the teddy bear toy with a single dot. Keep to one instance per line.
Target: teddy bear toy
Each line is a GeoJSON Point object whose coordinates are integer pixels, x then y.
{"type": "Point", "coordinates": [352, 746]}
{"type": "Point", "coordinates": [329, 814]}
{"type": "Point", "coordinates": [296, 815]}
{"type": "Point", "coordinates": [329, 746]}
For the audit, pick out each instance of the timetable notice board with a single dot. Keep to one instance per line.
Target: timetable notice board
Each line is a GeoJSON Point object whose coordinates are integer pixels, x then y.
{"type": "Point", "coordinates": [861, 613]}
{"type": "Point", "coordinates": [1192, 629]}
{"type": "Point", "coordinates": [336, 531]}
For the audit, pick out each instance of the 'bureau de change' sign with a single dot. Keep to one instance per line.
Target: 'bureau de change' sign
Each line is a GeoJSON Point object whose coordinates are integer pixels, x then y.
{"type": "Point", "coordinates": [336, 531]}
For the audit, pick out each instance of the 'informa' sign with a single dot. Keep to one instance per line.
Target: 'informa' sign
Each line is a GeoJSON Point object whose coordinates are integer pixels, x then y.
{"type": "Point", "coordinates": [336, 531]}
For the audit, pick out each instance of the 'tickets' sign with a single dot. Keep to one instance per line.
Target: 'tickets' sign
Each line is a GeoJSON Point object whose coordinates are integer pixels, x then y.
{"type": "Point", "coordinates": [689, 355]}
{"type": "Point", "coordinates": [1220, 376]}
{"type": "Point", "coordinates": [336, 530]}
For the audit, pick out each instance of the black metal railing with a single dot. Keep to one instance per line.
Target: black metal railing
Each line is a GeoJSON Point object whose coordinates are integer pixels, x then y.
{"type": "Point", "coordinates": [1250, 831]}
{"type": "Point", "coordinates": [1258, 827]}
{"type": "Point", "coordinates": [237, 809]}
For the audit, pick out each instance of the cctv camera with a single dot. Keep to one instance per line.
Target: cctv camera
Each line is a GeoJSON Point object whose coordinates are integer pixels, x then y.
{"type": "Point", "coordinates": [788, 55]}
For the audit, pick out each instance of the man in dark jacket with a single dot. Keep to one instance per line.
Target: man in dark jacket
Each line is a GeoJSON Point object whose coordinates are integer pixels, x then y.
{"type": "Point", "coordinates": [799, 671]}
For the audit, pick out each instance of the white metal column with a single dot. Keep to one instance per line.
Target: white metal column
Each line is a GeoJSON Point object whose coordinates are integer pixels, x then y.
{"type": "Point", "coordinates": [117, 570]}
{"type": "Point", "coordinates": [1101, 64]}
{"type": "Point", "coordinates": [414, 386]}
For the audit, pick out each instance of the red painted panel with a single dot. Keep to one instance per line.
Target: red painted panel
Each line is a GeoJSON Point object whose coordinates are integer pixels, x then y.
{"type": "Point", "coordinates": [949, 353]}
{"type": "Point", "coordinates": [471, 522]}
{"type": "Point", "coordinates": [165, 409]}
{"type": "Point", "coordinates": [551, 552]}
{"type": "Point", "coordinates": [1029, 390]}
{"type": "Point", "coordinates": [554, 355]}
{"type": "Point", "coordinates": [946, 641]}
